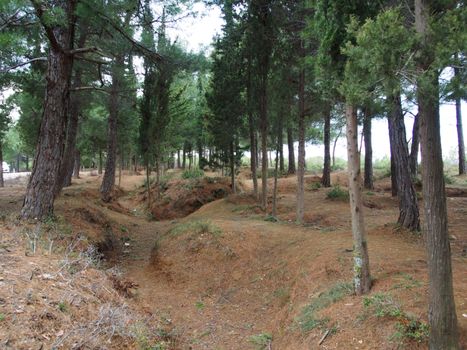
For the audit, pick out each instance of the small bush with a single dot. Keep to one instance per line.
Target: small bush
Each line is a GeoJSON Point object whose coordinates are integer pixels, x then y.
{"type": "Point", "coordinates": [315, 186]}
{"type": "Point", "coordinates": [308, 319]}
{"type": "Point", "coordinates": [411, 329]}
{"type": "Point", "coordinates": [337, 193]}
{"type": "Point", "coordinates": [194, 173]}
{"type": "Point", "coordinates": [448, 179]}
{"type": "Point", "coordinates": [382, 305]}
{"type": "Point", "coordinates": [261, 341]}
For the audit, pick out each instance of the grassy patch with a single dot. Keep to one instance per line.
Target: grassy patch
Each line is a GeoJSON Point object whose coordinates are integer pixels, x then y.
{"type": "Point", "coordinates": [382, 305]}
{"type": "Point", "coordinates": [196, 227]}
{"type": "Point", "coordinates": [337, 193]}
{"type": "Point", "coordinates": [308, 319]}
{"type": "Point", "coordinates": [406, 281]}
{"type": "Point", "coordinates": [261, 341]}
{"type": "Point", "coordinates": [192, 173]}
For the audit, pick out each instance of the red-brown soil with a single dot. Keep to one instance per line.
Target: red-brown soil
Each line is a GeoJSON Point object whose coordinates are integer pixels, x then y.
{"type": "Point", "coordinates": [223, 275]}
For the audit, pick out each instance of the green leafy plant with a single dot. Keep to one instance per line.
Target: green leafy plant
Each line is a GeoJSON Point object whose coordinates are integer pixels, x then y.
{"type": "Point", "coordinates": [382, 305]}
{"type": "Point", "coordinates": [62, 306]}
{"type": "Point", "coordinates": [337, 193]}
{"type": "Point", "coordinates": [192, 174]}
{"type": "Point", "coordinates": [261, 341]}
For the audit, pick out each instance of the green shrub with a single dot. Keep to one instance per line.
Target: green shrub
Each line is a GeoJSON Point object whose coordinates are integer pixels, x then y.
{"type": "Point", "coordinates": [194, 173]}
{"type": "Point", "coordinates": [337, 193]}
{"type": "Point", "coordinates": [315, 186]}
{"type": "Point", "coordinates": [308, 319]}
{"type": "Point", "coordinates": [262, 340]}
{"type": "Point", "coordinates": [411, 329]}
{"type": "Point", "coordinates": [382, 305]}
{"type": "Point", "coordinates": [196, 227]}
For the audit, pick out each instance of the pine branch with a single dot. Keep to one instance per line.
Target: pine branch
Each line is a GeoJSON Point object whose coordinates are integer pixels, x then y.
{"type": "Point", "coordinates": [23, 64]}
{"type": "Point", "coordinates": [48, 31]}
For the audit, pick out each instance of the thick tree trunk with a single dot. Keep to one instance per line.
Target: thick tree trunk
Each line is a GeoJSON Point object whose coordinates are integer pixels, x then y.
{"type": "Point", "coordinates": [253, 154]}
{"type": "Point", "coordinates": [40, 193]}
{"type": "Point", "coordinates": [408, 206]}
{"type": "Point", "coordinates": [76, 164]}
{"type": "Point", "coordinates": [444, 332]}
{"type": "Point", "coordinates": [415, 146]}
{"type": "Point", "coordinates": [362, 280]}
{"type": "Point", "coordinates": [368, 178]}
{"type": "Point", "coordinates": [460, 137]}
{"type": "Point", "coordinates": [301, 146]}
{"type": "Point", "coordinates": [108, 180]}
{"type": "Point", "coordinates": [2, 184]}
{"type": "Point", "coordinates": [326, 179]}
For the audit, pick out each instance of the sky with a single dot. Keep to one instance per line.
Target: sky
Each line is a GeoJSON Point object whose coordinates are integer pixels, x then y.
{"type": "Point", "coordinates": [198, 32]}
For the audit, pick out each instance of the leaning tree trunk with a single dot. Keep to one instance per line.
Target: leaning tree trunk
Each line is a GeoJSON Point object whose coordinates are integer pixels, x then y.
{"type": "Point", "coordinates": [444, 332]}
{"type": "Point", "coordinates": [291, 169]}
{"type": "Point", "coordinates": [301, 147]}
{"type": "Point", "coordinates": [108, 180]}
{"type": "Point", "coordinates": [368, 178]}
{"type": "Point", "coordinates": [40, 193]}
{"type": "Point", "coordinates": [326, 179]}
{"type": "Point", "coordinates": [460, 137]}
{"type": "Point", "coordinates": [408, 206]}
{"type": "Point", "coordinates": [362, 280]}
{"type": "Point", "coordinates": [415, 146]}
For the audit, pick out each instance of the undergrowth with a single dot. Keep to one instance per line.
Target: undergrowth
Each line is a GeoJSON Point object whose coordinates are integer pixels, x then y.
{"type": "Point", "coordinates": [196, 227]}
{"type": "Point", "coordinates": [261, 341]}
{"type": "Point", "coordinates": [337, 193]}
{"type": "Point", "coordinates": [308, 319]}
{"type": "Point", "coordinates": [192, 174]}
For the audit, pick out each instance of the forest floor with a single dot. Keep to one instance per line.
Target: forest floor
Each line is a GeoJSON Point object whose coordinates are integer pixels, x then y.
{"type": "Point", "coordinates": [226, 276]}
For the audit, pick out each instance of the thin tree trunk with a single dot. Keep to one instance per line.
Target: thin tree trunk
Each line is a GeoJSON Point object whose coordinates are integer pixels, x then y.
{"type": "Point", "coordinates": [326, 179]}
{"type": "Point", "coordinates": [460, 136]}
{"type": "Point", "coordinates": [301, 145]}
{"type": "Point", "coordinates": [40, 193]}
{"type": "Point", "coordinates": [415, 146]}
{"type": "Point", "coordinates": [178, 159]}
{"type": "Point", "coordinates": [281, 145]}
{"type": "Point", "coordinates": [148, 184]}
{"type": "Point", "coordinates": [362, 280]}
{"type": "Point", "coordinates": [120, 168]}
{"type": "Point", "coordinates": [368, 179]}
{"type": "Point", "coordinates": [334, 149]}
{"type": "Point", "coordinates": [108, 180]}
{"type": "Point", "coordinates": [18, 158]}
{"type": "Point", "coordinates": [253, 154]}
{"type": "Point", "coordinates": [184, 157]}
{"type": "Point", "coordinates": [444, 332]}
{"type": "Point", "coordinates": [2, 184]}
{"type": "Point", "coordinates": [291, 169]}
{"type": "Point", "coordinates": [408, 206]}
{"type": "Point", "coordinates": [232, 167]}
{"type": "Point", "coordinates": [99, 171]}
{"type": "Point", "coordinates": [27, 162]}
{"type": "Point", "coordinates": [276, 174]}
{"type": "Point", "coordinates": [264, 141]}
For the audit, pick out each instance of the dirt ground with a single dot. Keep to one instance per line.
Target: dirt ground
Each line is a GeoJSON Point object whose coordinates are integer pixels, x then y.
{"type": "Point", "coordinates": [227, 276]}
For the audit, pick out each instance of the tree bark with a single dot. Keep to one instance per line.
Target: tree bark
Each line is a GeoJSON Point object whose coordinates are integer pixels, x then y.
{"type": "Point", "coordinates": [253, 154]}
{"type": "Point", "coordinates": [40, 193]}
{"type": "Point", "coordinates": [76, 164]}
{"type": "Point", "coordinates": [108, 180]}
{"type": "Point", "coordinates": [291, 168]}
{"type": "Point", "coordinates": [232, 167]}
{"type": "Point", "coordinates": [178, 159]}
{"type": "Point", "coordinates": [362, 280]}
{"type": "Point", "coordinates": [276, 175]}
{"type": "Point", "coordinates": [2, 184]}
{"type": "Point", "coordinates": [393, 171]}
{"type": "Point", "coordinates": [301, 145]}
{"type": "Point", "coordinates": [415, 146]}
{"type": "Point", "coordinates": [408, 206]}
{"type": "Point", "coordinates": [460, 137]}
{"type": "Point", "coordinates": [281, 144]}
{"type": "Point", "coordinates": [99, 170]}
{"type": "Point", "coordinates": [326, 179]}
{"type": "Point", "coordinates": [368, 178]}
{"type": "Point", "coordinates": [444, 332]}
{"type": "Point", "coordinates": [184, 157]}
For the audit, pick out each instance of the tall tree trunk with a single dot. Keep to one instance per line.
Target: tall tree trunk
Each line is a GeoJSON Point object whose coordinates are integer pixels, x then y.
{"type": "Point", "coordinates": [264, 141]}
{"type": "Point", "coordinates": [444, 332]}
{"type": "Point", "coordinates": [200, 155]}
{"type": "Point", "coordinates": [40, 193]}
{"type": "Point", "coordinates": [276, 173]}
{"type": "Point", "coordinates": [108, 180]}
{"type": "Point", "coordinates": [368, 179]}
{"type": "Point", "coordinates": [460, 136]}
{"type": "Point", "coordinates": [253, 154]}
{"type": "Point", "coordinates": [184, 157]}
{"type": "Point", "coordinates": [178, 159]}
{"type": "Point", "coordinates": [76, 164]}
{"type": "Point", "coordinates": [148, 183]}
{"type": "Point", "coordinates": [415, 146]}
{"type": "Point", "coordinates": [301, 144]}
{"type": "Point", "coordinates": [362, 280]}
{"type": "Point", "coordinates": [18, 159]}
{"type": "Point", "coordinates": [408, 206]}
{"type": "Point", "coordinates": [291, 168]}
{"type": "Point", "coordinates": [2, 184]}
{"type": "Point", "coordinates": [326, 179]}
{"type": "Point", "coordinates": [232, 166]}
{"type": "Point", "coordinates": [334, 148]}
{"type": "Point", "coordinates": [281, 145]}
{"type": "Point", "coordinates": [99, 170]}
{"type": "Point", "coordinates": [393, 170]}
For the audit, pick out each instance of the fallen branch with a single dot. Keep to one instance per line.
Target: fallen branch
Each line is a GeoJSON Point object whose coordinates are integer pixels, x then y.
{"type": "Point", "coordinates": [324, 337]}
